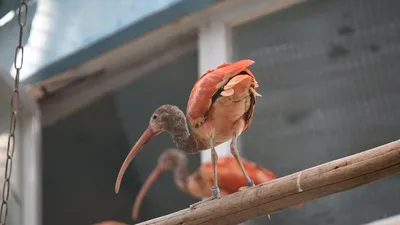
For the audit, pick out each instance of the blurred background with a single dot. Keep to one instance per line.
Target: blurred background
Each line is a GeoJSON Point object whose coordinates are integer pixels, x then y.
{"type": "Point", "coordinates": [328, 71]}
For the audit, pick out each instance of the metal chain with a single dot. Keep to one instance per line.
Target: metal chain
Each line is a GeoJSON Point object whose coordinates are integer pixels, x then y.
{"type": "Point", "coordinates": [22, 16]}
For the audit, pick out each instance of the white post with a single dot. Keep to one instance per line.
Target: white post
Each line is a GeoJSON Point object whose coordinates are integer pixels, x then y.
{"type": "Point", "coordinates": [214, 46]}
{"type": "Point", "coordinates": [25, 181]}
{"type": "Point", "coordinates": [214, 49]}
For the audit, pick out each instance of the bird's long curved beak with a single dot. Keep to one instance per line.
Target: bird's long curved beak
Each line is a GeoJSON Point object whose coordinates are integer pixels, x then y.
{"type": "Point", "coordinates": [143, 191]}
{"type": "Point", "coordinates": [146, 136]}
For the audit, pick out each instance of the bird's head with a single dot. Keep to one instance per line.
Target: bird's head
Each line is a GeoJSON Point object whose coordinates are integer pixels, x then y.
{"type": "Point", "coordinates": [168, 160]}
{"type": "Point", "coordinates": [165, 118]}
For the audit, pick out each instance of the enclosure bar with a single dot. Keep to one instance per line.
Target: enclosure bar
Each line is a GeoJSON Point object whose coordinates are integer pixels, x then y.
{"type": "Point", "coordinates": [316, 182]}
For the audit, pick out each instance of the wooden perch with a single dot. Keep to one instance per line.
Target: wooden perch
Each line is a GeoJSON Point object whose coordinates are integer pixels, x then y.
{"type": "Point", "coordinates": [316, 182]}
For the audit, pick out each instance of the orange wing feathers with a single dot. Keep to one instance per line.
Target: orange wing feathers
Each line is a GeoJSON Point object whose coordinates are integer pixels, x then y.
{"type": "Point", "coordinates": [231, 178]}
{"type": "Point", "coordinates": [207, 85]}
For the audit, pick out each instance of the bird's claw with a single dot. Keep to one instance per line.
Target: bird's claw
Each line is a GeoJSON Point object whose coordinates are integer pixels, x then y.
{"type": "Point", "coordinates": [215, 192]}
{"type": "Point", "coordinates": [249, 184]}
{"type": "Point", "coordinates": [215, 195]}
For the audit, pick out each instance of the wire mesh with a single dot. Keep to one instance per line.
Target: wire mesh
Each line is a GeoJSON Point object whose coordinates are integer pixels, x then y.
{"type": "Point", "coordinates": [329, 75]}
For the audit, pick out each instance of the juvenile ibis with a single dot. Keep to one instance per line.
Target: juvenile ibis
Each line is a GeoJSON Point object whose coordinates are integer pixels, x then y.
{"type": "Point", "coordinates": [220, 107]}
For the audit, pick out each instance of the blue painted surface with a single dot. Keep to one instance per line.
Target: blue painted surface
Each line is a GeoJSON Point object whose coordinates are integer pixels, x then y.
{"type": "Point", "coordinates": [7, 5]}
{"type": "Point", "coordinates": [133, 31]}
{"type": "Point", "coordinates": [63, 27]}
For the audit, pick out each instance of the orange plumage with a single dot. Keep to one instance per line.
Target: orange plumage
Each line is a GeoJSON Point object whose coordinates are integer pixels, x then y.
{"type": "Point", "coordinates": [222, 102]}
{"type": "Point", "coordinates": [200, 182]}
{"type": "Point", "coordinates": [207, 85]}
{"type": "Point", "coordinates": [230, 177]}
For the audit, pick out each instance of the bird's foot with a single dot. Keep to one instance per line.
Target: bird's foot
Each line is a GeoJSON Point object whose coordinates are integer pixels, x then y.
{"type": "Point", "coordinates": [269, 217]}
{"type": "Point", "coordinates": [249, 184]}
{"type": "Point", "coordinates": [215, 195]}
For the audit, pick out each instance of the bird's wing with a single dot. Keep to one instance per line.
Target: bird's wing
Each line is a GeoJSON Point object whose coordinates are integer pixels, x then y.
{"type": "Point", "coordinates": [210, 85]}
{"type": "Point", "coordinates": [230, 176]}
{"type": "Point", "coordinates": [248, 116]}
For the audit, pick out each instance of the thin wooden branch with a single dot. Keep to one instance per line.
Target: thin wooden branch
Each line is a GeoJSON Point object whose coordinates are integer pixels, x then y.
{"type": "Point", "coordinates": [316, 182]}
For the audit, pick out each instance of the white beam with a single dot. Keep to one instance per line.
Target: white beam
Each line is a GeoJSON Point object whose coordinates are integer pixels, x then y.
{"type": "Point", "coordinates": [214, 47]}
{"type": "Point", "coordinates": [25, 181]}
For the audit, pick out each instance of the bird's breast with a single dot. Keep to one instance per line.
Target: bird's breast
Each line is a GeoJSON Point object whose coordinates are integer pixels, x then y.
{"type": "Point", "coordinates": [227, 115]}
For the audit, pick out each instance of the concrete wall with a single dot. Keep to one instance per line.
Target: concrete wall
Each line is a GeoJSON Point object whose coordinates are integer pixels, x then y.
{"type": "Point", "coordinates": [82, 154]}
{"type": "Point", "coordinates": [329, 75]}
{"type": "Point", "coordinates": [81, 158]}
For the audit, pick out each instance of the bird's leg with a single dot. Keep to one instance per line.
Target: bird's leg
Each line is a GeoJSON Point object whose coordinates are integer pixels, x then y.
{"type": "Point", "coordinates": [216, 194]}
{"type": "Point", "coordinates": [235, 153]}
{"type": "Point", "coordinates": [214, 158]}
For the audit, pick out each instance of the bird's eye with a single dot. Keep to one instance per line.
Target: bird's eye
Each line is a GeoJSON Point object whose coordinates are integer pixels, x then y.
{"type": "Point", "coordinates": [154, 117]}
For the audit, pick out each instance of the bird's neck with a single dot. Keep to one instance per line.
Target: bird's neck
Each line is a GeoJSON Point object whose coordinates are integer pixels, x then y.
{"type": "Point", "coordinates": [183, 139]}
{"type": "Point", "coordinates": [181, 175]}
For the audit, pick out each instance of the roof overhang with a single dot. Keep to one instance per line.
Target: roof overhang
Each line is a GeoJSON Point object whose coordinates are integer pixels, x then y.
{"type": "Point", "coordinates": [147, 44]}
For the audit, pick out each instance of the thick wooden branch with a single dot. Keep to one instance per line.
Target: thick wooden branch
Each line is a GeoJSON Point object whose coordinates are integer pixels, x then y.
{"type": "Point", "coordinates": [316, 182]}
